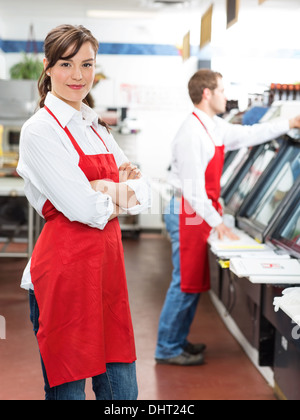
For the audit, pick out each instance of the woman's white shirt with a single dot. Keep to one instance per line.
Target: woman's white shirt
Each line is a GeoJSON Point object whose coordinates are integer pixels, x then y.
{"type": "Point", "coordinates": [49, 166]}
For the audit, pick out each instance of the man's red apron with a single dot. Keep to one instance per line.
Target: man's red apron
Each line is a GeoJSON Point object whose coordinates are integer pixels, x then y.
{"type": "Point", "coordinates": [79, 281]}
{"type": "Point", "coordinates": [194, 231]}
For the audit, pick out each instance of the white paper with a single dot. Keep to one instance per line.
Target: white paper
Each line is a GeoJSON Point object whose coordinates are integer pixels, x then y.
{"type": "Point", "coordinates": [246, 267]}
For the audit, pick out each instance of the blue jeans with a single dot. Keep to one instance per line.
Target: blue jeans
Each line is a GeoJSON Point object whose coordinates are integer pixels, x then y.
{"type": "Point", "coordinates": [118, 383]}
{"type": "Point", "coordinates": [179, 308]}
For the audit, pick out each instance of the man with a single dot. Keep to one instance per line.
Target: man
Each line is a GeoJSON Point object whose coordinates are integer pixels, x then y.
{"type": "Point", "coordinates": [197, 164]}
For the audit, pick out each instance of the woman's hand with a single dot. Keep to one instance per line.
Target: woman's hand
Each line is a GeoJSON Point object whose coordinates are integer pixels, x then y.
{"type": "Point", "coordinates": [121, 195]}
{"type": "Point", "coordinates": [129, 171]}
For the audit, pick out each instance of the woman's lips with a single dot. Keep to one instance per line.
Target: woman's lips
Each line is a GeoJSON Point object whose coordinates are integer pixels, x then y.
{"type": "Point", "coordinates": [76, 87]}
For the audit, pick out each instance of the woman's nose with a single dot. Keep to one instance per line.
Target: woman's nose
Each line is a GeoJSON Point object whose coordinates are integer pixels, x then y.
{"type": "Point", "coordinates": [77, 74]}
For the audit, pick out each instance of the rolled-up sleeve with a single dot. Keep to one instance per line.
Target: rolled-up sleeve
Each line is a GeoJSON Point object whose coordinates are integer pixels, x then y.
{"type": "Point", "coordinates": [47, 166]}
{"type": "Point", "coordinates": [141, 187]}
{"type": "Point", "coordinates": [142, 190]}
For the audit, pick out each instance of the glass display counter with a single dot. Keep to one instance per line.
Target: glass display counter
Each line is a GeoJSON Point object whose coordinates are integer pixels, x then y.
{"type": "Point", "coordinates": [267, 200]}
{"type": "Point", "coordinates": [243, 186]}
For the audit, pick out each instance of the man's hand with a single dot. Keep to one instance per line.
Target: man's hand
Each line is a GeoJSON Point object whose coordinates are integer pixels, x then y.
{"type": "Point", "coordinates": [223, 230]}
{"type": "Point", "coordinates": [295, 122]}
{"type": "Point", "coordinates": [128, 171]}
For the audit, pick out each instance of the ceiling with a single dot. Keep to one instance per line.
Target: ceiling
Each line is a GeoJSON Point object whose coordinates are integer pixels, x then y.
{"type": "Point", "coordinates": [74, 8]}
{"type": "Point", "coordinates": [78, 8]}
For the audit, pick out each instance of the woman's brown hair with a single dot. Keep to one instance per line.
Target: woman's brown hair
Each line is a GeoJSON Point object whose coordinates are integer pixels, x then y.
{"type": "Point", "coordinates": [57, 42]}
{"type": "Point", "coordinates": [201, 80]}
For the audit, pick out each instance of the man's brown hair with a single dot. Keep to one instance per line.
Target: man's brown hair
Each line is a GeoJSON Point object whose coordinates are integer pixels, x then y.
{"type": "Point", "coordinates": [201, 80]}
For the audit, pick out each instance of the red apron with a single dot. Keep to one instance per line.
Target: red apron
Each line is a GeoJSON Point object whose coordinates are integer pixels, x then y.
{"type": "Point", "coordinates": [79, 281]}
{"type": "Point", "coordinates": [194, 231]}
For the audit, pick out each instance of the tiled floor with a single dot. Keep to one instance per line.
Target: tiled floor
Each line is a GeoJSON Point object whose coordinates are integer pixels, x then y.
{"type": "Point", "coordinates": [227, 374]}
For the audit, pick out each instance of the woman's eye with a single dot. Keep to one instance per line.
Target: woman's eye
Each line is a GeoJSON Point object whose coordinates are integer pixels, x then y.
{"type": "Point", "coordinates": [65, 64]}
{"type": "Point", "coordinates": [88, 65]}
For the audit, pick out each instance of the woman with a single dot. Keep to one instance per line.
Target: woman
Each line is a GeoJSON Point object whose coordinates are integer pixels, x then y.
{"type": "Point", "coordinates": [78, 179]}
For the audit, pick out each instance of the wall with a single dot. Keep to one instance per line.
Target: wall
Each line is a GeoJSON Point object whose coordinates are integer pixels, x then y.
{"type": "Point", "coordinates": [262, 48]}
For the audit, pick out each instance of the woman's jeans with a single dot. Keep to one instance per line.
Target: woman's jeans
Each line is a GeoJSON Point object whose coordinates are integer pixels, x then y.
{"type": "Point", "coordinates": [179, 308]}
{"type": "Point", "coordinates": [118, 383]}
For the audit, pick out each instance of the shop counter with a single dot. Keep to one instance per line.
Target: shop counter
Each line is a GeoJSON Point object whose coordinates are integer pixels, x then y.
{"type": "Point", "coordinates": [19, 223]}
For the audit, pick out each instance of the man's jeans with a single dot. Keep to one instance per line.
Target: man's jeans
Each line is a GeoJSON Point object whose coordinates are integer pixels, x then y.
{"type": "Point", "coordinates": [118, 383]}
{"type": "Point", "coordinates": [179, 308]}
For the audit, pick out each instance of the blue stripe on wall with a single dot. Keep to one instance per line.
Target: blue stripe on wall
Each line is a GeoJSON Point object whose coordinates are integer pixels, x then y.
{"type": "Point", "coordinates": [138, 49]}
{"type": "Point", "coordinates": [15, 46]}
{"type": "Point", "coordinates": [19, 46]}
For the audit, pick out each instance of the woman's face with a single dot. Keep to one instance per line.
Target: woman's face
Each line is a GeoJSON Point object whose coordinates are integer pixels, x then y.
{"type": "Point", "coordinates": [73, 79]}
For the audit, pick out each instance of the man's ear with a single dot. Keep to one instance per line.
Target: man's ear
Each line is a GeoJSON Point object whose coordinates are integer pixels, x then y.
{"type": "Point", "coordinates": [206, 93]}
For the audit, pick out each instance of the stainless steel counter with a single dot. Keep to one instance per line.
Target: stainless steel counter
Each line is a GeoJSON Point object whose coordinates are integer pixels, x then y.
{"type": "Point", "coordinates": [17, 240]}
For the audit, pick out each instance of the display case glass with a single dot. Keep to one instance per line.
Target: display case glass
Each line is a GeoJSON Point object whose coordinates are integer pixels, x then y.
{"type": "Point", "coordinates": [286, 234]}
{"type": "Point", "coordinates": [233, 164]}
{"type": "Point", "coordinates": [269, 196]}
{"type": "Point", "coordinates": [280, 186]}
{"type": "Point", "coordinates": [291, 231]}
{"type": "Point", "coordinates": [237, 170]}
{"type": "Point", "coordinates": [252, 170]}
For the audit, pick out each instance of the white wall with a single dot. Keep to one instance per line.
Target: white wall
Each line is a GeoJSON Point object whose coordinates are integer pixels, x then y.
{"type": "Point", "coordinates": [262, 48]}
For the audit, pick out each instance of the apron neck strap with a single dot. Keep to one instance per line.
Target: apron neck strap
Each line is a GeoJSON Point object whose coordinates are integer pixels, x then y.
{"type": "Point", "coordinates": [67, 131]}
{"type": "Point", "coordinates": [97, 134]}
{"type": "Point", "coordinates": [195, 115]}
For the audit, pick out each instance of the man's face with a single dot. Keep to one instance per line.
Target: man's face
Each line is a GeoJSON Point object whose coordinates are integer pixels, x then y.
{"type": "Point", "coordinates": [218, 100]}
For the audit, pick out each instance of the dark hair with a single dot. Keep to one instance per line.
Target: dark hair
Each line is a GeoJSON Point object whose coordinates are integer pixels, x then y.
{"type": "Point", "coordinates": [57, 42]}
{"type": "Point", "coordinates": [201, 80]}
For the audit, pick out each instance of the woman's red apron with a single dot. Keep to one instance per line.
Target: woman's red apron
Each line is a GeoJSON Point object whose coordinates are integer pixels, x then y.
{"type": "Point", "coordinates": [194, 231]}
{"type": "Point", "coordinates": [79, 281]}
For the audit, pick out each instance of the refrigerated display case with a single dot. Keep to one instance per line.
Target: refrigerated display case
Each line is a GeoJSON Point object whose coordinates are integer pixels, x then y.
{"type": "Point", "coordinates": [233, 163]}
{"type": "Point", "coordinates": [271, 193]}
{"type": "Point", "coordinates": [250, 174]}
{"type": "Point", "coordinates": [285, 236]}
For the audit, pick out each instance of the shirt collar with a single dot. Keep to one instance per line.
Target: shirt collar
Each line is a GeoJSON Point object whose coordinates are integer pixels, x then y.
{"type": "Point", "coordinates": [209, 122]}
{"type": "Point", "coordinates": [65, 113]}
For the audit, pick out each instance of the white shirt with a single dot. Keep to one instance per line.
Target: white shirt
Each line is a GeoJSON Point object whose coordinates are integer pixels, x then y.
{"type": "Point", "coordinates": [193, 149]}
{"type": "Point", "coordinates": [49, 165]}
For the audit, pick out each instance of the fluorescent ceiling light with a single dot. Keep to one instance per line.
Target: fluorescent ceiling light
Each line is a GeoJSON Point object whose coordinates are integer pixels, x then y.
{"type": "Point", "coordinates": [120, 14]}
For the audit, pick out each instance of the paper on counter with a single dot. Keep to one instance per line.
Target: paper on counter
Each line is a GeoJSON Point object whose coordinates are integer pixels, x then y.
{"type": "Point", "coordinates": [265, 253]}
{"type": "Point", "coordinates": [246, 267]}
{"type": "Point", "coordinates": [245, 243]}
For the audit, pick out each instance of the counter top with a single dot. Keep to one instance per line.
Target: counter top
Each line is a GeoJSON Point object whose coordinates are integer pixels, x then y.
{"type": "Point", "coordinates": [281, 280]}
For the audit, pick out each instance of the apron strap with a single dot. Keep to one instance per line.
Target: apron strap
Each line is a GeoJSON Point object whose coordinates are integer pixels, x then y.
{"type": "Point", "coordinates": [100, 138]}
{"type": "Point", "coordinates": [195, 115]}
{"type": "Point", "coordinates": [67, 131]}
